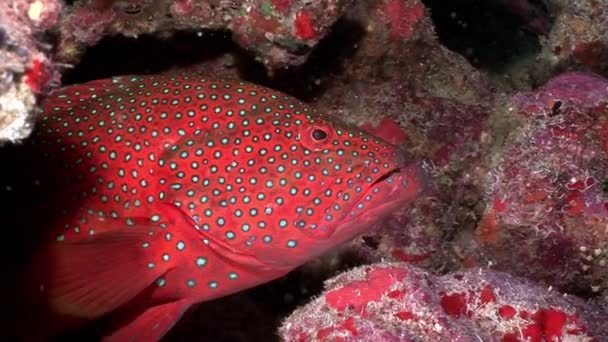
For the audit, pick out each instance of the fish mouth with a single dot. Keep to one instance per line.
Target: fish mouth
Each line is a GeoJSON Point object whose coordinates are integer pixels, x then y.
{"type": "Point", "coordinates": [390, 192]}
{"type": "Point", "coordinates": [397, 185]}
{"type": "Point", "coordinates": [386, 176]}
{"type": "Point", "coordinates": [401, 165]}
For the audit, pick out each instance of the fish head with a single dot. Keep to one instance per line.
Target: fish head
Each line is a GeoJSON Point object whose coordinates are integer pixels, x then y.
{"type": "Point", "coordinates": [289, 184]}
{"type": "Point", "coordinates": [340, 182]}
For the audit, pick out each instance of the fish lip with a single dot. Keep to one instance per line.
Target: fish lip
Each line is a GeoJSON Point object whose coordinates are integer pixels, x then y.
{"type": "Point", "coordinates": [401, 163]}
{"type": "Point", "coordinates": [385, 176]}
{"type": "Point", "coordinates": [398, 195]}
{"type": "Point", "coordinates": [419, 171]}
{"type": "Point", "coordinates": [401, 185]}
{"type": "Point", "coordinates": [401, 179]}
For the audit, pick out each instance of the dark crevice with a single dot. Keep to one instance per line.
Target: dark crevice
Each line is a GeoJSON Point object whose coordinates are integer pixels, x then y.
{"type": "Point", "coordinates": [488, 33]}
{"type": "Point", "coordinates": [118, 55]}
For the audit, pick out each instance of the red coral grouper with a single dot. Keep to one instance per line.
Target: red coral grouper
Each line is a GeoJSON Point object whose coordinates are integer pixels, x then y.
{"type": "Point", "coordinates": [162, 192]}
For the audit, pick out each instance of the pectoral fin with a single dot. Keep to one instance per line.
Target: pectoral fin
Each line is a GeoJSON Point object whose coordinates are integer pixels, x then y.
{"type": "Point", "coordinates": [94, 276]}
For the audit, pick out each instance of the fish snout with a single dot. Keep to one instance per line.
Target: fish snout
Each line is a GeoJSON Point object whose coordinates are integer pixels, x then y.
{"type": "Point", "coordinates": [396, 158]}
{"type": "Point", "coordinates": [405, 183]}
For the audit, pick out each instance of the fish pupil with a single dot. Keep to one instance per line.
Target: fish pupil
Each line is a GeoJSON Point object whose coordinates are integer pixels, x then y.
{"type": "Point", "coordinates": [319, 134]}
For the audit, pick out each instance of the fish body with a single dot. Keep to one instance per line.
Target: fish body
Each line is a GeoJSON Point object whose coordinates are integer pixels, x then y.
{"type": "Point", "coordinates": [159, 192]}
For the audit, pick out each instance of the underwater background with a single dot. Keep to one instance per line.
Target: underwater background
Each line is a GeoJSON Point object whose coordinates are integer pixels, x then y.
{"type": "Point", "coordinates": [504, 102]}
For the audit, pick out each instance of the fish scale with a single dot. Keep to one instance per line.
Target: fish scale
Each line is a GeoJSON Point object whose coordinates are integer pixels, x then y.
{"type": "Point", "coordinates": [194, 189]}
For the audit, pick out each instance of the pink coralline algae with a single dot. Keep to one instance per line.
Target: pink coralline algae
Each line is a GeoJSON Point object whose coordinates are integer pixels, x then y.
{"type": "Point", "coordinates": [398, 302]}
{"type": "Point", "coordinates": [26, 67]}
{"type": "Point", "coordinates": [547, 207]}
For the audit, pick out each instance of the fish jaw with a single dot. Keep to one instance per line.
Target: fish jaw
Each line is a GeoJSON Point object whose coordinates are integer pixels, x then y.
{"type": "Point", "coordinates": [395, 190]}
{"type": "Point", "coordinates": [389, 194]}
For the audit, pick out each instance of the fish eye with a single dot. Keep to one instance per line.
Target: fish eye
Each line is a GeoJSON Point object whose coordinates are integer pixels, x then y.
{"type": "Point", "coordinates": [318, 134]}
{"type": "Point", "coordinates": [315, 135]}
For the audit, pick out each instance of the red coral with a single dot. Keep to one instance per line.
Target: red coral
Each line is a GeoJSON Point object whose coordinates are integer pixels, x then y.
{"type": "Point", "coordinates": [547, 186]}
{"type": "Point", "coordinates": [487, 295]}
{"type": "Point", "coordinates": [281, 6]}
{"type": "Point", "coordinates": [402, 256]}
{"type": "Point", "coordinates": [405, 315]}
{"type": "Point", "coordinates": [403, 15]}
{"type": "Point", "coordinates": [36, 76]}
{"type": "Point", "coordinates": [439, 308]}
{"type": "Point", "coordinates": [304, 26]}
{"type": "Point", "coordinates": [455, 304]}
{"type": "Point", "coordinates": [348, 325]}
{"type": "Point", "coordinates": [507, 311]}
{"type": "Point", "coordinates": [357, 295]}
{"type": "Point", "coordinates": [552, 322]}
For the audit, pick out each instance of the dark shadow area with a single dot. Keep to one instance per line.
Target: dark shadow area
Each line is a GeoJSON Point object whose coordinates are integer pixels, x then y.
{"type": "Point", "coordinates": [326, 60]}
{"type": "Point", "coordinates": [31, 201]}
{"type": "Point", "coordinates": [490, 35]}
{"type": "Point", "coordinates": [117, 55]}
{"type": "Point", "coordinates": [120, 55]}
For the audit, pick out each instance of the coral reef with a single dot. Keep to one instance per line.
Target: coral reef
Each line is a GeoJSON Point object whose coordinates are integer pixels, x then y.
{"type": "Point", "coordinates": [452, 137]}
{"type": "Point", "coordinates": [572, 34]}
{"type": "Point", "coordinates": [578, 38]}
{"type": "Point", "coordinates": [279, 32]}
{"type": "Point", "coordinates": [398, 302]}
{"type": "Point", "coordinates": [436, 109]}
{"type": "Point", "coordinates": [546, 203]}
{"type": "Point", "coordinates": [473, 141]}
{"type": "Point", "coordinates": [26, 69]}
